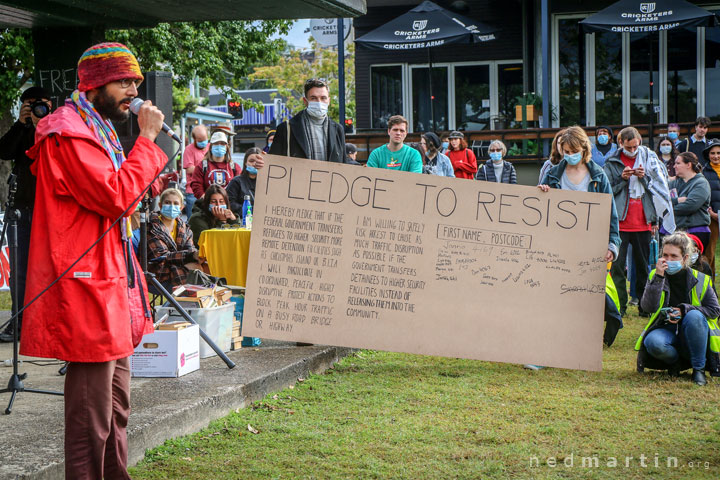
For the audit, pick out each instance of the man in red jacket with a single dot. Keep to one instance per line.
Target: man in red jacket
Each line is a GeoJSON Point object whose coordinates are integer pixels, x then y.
{"type": "Point", "coordinates": [84, 183]}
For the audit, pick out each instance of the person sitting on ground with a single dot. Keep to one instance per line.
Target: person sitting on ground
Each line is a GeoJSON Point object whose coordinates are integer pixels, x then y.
{"type": "Point", "coordinates": [216, 168]}
{"type": "Point", "coordinates": [170, 250]}
{"type": "Point", "coordinates": [213, 212]}
{"type": "Point", "coordinates": [685, 312]}
{"type": "Point", "coordinates": [434, 162]}
{"type": "Point", "coordinates": [496, 169]}
{"type": "Point", "coordinates": [244, 184]}
{"type": "Point", "coordinates": [462, 158]}
{"type": "Point", "coordinates": [697, 260]}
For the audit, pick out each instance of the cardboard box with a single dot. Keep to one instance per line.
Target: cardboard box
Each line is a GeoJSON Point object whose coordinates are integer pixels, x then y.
{"type": "Point", "coordinates": [216, 322]}
{"type": "Point", "coordinates": [167, 353]}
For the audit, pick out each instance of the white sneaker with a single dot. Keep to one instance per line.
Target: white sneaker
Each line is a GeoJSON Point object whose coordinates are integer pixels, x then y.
{"type": "Point", "coordinates": [533, 367]}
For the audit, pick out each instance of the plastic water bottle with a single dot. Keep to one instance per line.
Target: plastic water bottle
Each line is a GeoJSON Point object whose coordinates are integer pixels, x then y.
{"type": "Point", "coordinates": [247, 213]}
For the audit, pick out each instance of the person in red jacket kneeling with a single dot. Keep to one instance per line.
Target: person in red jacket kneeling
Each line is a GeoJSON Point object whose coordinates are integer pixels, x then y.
{"type": "Point", "coordinates": [93, 314]}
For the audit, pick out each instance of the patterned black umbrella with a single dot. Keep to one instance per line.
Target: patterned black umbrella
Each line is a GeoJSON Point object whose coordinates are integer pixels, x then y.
{"type": "Point", "coordinates": [425, 26]}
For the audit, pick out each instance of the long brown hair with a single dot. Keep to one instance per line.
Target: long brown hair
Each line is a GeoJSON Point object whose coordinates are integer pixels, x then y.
{"type": "Point", "coordinates": [212, 190]}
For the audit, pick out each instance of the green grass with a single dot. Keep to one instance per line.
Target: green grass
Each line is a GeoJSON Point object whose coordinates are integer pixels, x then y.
{"type": "Point", "coordinates": [5, 301]}
{"type": "Point", "coordinates": [388, 415]}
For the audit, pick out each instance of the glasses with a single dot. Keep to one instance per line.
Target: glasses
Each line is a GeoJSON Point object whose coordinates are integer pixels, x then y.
{"type": "Point", "coordinates": [126, 82]}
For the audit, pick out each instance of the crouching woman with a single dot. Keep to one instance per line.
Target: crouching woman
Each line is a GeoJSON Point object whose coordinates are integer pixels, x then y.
{"type": "Point", "coordinates": [684, 322]}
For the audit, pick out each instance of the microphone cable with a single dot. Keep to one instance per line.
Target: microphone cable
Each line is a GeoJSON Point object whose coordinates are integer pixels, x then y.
{"type": "Point", "coordinates": [122, 215]}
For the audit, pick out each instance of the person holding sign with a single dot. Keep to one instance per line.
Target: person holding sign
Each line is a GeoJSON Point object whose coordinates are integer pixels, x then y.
{"type": "Point", "coordinates": [576, 172]}
{"type": "Point", "coordinates": [395, 155]}
{"type": "Point", "coordinates": [686, 310]}
{"type": "Point", "coordinates": [496, 169]}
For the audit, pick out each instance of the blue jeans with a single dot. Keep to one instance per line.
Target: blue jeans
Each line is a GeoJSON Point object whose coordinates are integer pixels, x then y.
{"type": "Point", "coordinates": [687, 339]}
{"type": "Point", "coordinates": [189, 202]}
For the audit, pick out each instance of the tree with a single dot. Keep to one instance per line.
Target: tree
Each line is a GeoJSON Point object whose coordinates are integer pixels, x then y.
{"type": "Point", "coordinates": [218, 53]}
{"type": "Point", "coordinates": [289, 74]}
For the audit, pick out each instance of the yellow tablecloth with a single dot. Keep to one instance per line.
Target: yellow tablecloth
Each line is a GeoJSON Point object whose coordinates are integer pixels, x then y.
{"type": "Point", "coordinates": [226, 251]}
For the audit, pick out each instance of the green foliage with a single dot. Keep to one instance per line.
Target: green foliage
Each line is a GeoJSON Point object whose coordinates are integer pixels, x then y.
{"type": "Point", "coordinates": [291, 71]}
{"type": "Point", "coordinates": [16, 64]}
{"type": "Point", "coordinates": [220, 54]}
{"type": "Point", "coordinates": [183, 102]}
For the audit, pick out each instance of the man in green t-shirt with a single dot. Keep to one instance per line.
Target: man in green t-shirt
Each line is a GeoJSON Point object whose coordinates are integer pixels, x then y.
{"type": "Point", "coordinates": [395, 155]}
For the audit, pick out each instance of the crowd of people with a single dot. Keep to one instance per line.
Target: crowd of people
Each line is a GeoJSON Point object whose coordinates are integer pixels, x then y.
{"type": "Point", "coordinates": [671, 194]}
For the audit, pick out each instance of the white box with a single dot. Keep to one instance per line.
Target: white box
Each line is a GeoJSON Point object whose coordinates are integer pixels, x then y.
{"type": "Point", "coordinates": [216, 322]}
{"type": "Point", "coordinates": [167, 353]}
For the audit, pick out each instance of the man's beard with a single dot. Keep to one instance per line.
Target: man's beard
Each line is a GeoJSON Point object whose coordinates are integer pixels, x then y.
{"type": "Point", "coordinates": [110, 109]}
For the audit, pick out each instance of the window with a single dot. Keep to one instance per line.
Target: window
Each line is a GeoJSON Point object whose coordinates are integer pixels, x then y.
{"type": "Point", "coordinates": [712, 73]}
{"type": "Point", "coordinates": [386, 93]}
{"type": "Point", "coordinates": [682, 74]}
{"type": "Point", "coordinates": [640, 44]}
{"type": "Point", "coordinates": [569, 51]}
{"type": "Point", "coordinates": [510, 86]}
{"type": "Point", "coordinates": [423, 120]}
{"type": "Point", "coordinates": [608, 78]}
{"type": "Point", "coordinates": [472, 97]}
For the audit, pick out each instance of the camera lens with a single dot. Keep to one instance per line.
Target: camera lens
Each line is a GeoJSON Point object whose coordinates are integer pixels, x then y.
{"type": "Point", "coordinates": [39, 109]}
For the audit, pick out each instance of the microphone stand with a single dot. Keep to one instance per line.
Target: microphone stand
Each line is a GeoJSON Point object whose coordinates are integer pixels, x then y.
{"type": "Point", "coordinates": [12, 215]}
{"type": "Point", "coordinates": [144, 220]}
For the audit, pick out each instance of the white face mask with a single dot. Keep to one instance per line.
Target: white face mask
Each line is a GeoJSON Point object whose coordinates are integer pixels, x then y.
{"type": "Point", "coordinates": [317, 110]}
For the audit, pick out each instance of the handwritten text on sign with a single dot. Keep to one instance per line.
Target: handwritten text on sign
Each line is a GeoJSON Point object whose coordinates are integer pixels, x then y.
{"type": "Point", "coordinates": [369, 258]}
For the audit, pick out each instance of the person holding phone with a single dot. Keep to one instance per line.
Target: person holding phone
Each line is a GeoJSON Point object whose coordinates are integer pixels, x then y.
{"type": "Point", "coordinates": [213, 213]}
{"type": "Point", "coordinates": [685, 314]}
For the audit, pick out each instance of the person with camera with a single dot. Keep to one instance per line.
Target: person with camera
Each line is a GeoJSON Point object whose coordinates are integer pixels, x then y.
{"type": "Point", "coordinates": [685, 312]}
{"type": "Point", "coordinates": [91, 305]}
{"type": "Point", "coordinates": [13, 145]}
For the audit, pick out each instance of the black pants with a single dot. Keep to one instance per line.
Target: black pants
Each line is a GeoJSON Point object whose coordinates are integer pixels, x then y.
{"type": "Point", "coordinates": [640, 242]}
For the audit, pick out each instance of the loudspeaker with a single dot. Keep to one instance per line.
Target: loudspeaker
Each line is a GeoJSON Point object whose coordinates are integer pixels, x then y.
{"type": "Point", "coordinates": [157, 88]}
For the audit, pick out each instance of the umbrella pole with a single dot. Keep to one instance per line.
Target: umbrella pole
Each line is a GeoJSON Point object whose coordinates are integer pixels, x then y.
{"type": "Point", "coordinates": [432, 98]}
{"type": "Point", "coordinates": [651, 141]}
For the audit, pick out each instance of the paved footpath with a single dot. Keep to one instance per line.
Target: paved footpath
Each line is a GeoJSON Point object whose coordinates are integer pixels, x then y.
{"type": "Point", "coordinates": [31, 437]}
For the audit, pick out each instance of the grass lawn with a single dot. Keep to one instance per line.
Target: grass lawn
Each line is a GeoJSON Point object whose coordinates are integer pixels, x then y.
{"type": "Point", "coordinates": [388, 415]}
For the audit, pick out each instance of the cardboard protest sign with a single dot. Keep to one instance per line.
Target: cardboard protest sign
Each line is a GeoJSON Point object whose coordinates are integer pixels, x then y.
{"type": "Point", "coordinates": [371, 258]}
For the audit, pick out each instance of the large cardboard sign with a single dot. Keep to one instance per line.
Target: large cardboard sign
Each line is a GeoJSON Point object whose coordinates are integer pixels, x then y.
{"type": "Point", "coordinates": [370, 258]}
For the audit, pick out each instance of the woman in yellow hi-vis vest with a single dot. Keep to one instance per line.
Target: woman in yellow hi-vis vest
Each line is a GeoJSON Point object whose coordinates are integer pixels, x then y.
{"type": "Point", "coordinates": [686, 311]}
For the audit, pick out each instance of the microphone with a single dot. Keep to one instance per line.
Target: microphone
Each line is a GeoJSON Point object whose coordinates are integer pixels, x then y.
{"type": "Point", "coordinates": [135, 108]}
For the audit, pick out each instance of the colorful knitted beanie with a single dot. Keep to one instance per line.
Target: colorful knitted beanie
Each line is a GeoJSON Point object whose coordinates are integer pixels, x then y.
{"type": "Point", "coordinates": [104, 63]}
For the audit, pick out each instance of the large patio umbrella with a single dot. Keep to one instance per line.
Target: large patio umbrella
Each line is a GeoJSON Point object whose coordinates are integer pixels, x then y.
{"type": "Point", "coordinates": [426, 26]}
{"type": "Point", "coordinates": [632, 16]}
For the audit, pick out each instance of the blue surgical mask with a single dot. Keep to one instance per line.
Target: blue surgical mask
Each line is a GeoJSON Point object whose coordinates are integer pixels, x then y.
{"type": "Point", "coordinates": [445, 145]}
{"type": "Point", "coordinates": [202, 144]}
{"type": "Point", "coordinates": [170, 211]}
{"type": "Point", "coordinates": [694, 257]}
{"type": "Point", "coordinates": [674, 266]}
{"type": "Point", "coordinates": [673, 135]}
{"type": "Point", "coordinates": [603, 139]}
{"type": "Point", "coordinates": [573, 158]}
{"type": "Point", "coordinates": [251, 170]}
{"type": "Point", "coordinates": [496, 157]}
{"type": "Point", "coordinates": [665, 149]}
{"type": "Point", "coordinates": [219, 150]}
{"type": "Point", "coordinates": [213, 206]}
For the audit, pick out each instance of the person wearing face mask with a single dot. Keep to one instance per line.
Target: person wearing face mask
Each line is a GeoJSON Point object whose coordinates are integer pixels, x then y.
{"type": "Point", "coordinates": [192, 156]}
{"type": "Point", "coordinates": [216, 168]}
{"type": "Point", "coordinates": [604, 146]}
{"type": "Point", "coordinates": [577, 172]}
{"type": "Point", "coordinates": [269, 141]}
{"type": "Point", "coordinates": [696, 142]}
{"type": "Point", "coordinates": [711, 171]}
{"type": "Point", "coordinates": [214, 212]}
{"type": "Point", "coordinates": [496, 169]}
{"type": "Point", "coordinates": [626, 172]}
{"type": "Point", "coordinates": [311, 134]}
{"type": "Point", "coordinates": [244, 184]}
{"type": "Point", "coordinates": [673, 133]}
{"type": "Point", "coordinates": [683, 331]}
{"type": "Point", "coordinates": [171, 253]}
{"type": "Point", "coordinates": [697, 259]}
{"type": "Point", "coordinates": [691, 200]}
{"type": "Point", "coordinates": [434, 162]}
{"type": "Point", "coordinates": [667, 152]}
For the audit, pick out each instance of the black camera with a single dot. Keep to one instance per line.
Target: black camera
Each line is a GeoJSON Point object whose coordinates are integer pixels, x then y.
{"type": "Point", "coordinates": [39, 108]}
